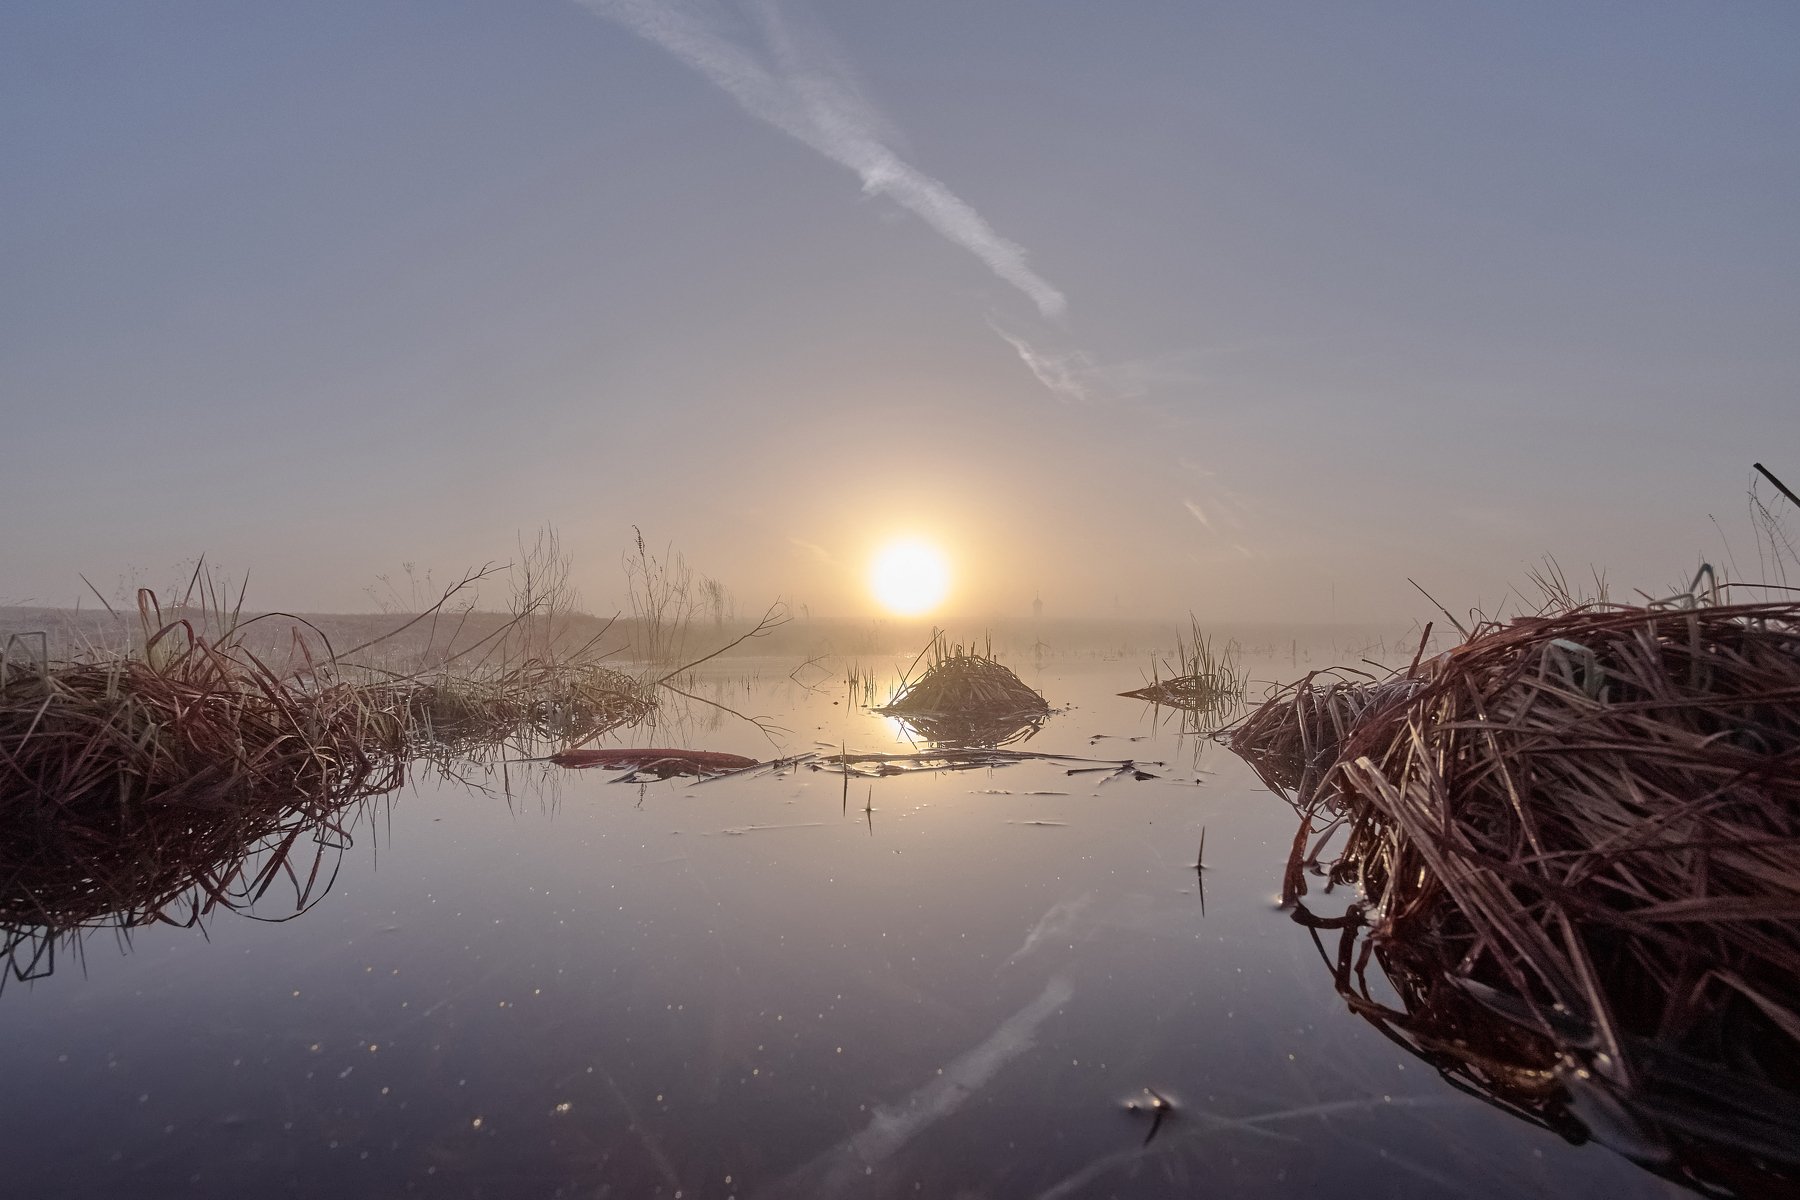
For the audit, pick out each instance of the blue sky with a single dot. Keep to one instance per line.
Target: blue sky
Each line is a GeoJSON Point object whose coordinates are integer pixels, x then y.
{"type": "Point", "coordinates": [1254, 309]}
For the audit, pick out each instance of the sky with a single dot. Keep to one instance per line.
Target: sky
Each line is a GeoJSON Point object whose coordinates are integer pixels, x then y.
{"type": "Point", "coordinates": [1256, 310]}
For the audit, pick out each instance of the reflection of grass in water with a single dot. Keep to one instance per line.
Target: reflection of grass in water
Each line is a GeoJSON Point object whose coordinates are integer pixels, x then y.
{"type": "Point", "coordinates": [953, 730]}
{"type": "Point", "coordinates": [1721, 1130]}
{"type": "Point", "coordinates": [965, 697]}
{"type": "Point", "coordinates": [860, 684]}
{"type": "Point", "coordinates": [270, 861]}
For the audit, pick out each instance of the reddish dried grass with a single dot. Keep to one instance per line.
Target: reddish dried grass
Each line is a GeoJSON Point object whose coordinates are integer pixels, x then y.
{"type": "Point", "coordinates": [1590, 819]}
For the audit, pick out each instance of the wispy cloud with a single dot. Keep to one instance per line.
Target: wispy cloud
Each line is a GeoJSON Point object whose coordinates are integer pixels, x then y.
{"type": "Point", "coordinates": [803, 93]}
{"type": "Point", "coordinates": [1225, 510]}
{"type": "Point", "coordinates": [817, 552]}
{"type": "Point", "coordinates": [1077, 376]}
{"type": "Point", "coordinates": [1068, 375]}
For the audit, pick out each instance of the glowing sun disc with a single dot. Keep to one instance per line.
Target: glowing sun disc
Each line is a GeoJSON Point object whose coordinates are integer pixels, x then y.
{"type": "Point", "coordinates": [909, 577]}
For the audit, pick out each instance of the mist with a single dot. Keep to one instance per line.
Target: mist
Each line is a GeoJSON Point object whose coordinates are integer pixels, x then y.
{"type": "Point", "coordinates": [1255, 314]}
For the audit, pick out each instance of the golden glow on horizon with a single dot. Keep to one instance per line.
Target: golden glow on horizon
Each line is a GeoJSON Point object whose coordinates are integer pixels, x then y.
{"type": "Point", "coordinates": [910, 577]}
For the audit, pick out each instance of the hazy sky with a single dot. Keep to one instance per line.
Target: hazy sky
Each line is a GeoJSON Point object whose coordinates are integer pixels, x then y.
{"type": "Point", "coordinates": [1252, 308]}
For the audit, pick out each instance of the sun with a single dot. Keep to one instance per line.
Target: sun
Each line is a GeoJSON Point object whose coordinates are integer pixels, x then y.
{"type": "Point", "coordinates": [909, 577]}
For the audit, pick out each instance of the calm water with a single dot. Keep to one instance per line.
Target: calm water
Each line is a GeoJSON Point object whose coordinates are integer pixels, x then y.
{"type": "Point", "coordinates": [756, 988]}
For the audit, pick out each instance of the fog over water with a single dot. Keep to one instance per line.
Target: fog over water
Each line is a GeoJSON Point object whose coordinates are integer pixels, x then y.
{"type": "Point", "coordinates": [1251, 309]}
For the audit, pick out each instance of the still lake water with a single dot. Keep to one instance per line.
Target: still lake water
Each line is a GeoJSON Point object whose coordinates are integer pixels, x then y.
{"type": "Point", "coordinates": [756, 988]}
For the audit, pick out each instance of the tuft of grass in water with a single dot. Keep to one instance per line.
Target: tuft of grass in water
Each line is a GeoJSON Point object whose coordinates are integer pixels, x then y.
{"type": "Point", "coordinates": [204, 760]}
{"type": "Point", "coordinates": [1203, 683]}
{"type": "Point", "coordinates": [1577, 839]}
{"type": "Point", "coordinates": [859, 685]}
{"type": "Point", "coordinates": [179, 778]}
{"type": "Point", "coordinates": [532, 679]}
{"type": "Point", "coordinates": [966, 697]}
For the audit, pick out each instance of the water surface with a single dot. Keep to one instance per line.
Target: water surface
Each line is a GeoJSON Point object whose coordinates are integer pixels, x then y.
{"type": "Point", "coordinates": [955, 985]}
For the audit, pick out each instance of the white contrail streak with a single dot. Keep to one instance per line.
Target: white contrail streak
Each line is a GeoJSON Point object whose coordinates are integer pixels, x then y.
{"type": "Point", "coordinates": [808, 102]}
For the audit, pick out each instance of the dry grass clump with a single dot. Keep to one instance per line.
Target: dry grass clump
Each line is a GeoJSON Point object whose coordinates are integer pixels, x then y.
{"type": "Point", "coordinates": [1293, 738]}
{"type": "Point", "coordinates": [1591, 820]}
{"type": "Point", "coordinates": [203, 762]}
{"type": "Point", "coordinates": [129, 783]}
{"type": "Point", "coordinates": [532, 678]}
{"type": "Point", "coordinates": [538, 701]}
{"type": "Point", "coordinates": [964, 696]}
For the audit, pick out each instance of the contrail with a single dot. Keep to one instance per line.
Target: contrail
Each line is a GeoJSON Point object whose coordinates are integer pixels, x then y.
{"type": "Point", "coordinates": [810, 102]}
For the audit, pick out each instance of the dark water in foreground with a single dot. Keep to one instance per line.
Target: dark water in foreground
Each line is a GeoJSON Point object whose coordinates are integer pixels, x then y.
{"type": "Point", "coordinates": [753, 988]}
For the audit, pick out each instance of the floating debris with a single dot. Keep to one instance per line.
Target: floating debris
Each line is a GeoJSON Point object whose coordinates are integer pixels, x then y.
{"type": "Point", "coordinates": [1153, 1105]}
{"type": "Point", "coordinates": [966, 758]}
{"type": "Point", "coordinates": [741, 830]}
{"type": "Point", "coordinates": [1128, 768]}
{"type": "Point", "coordinates": [655, 761]}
